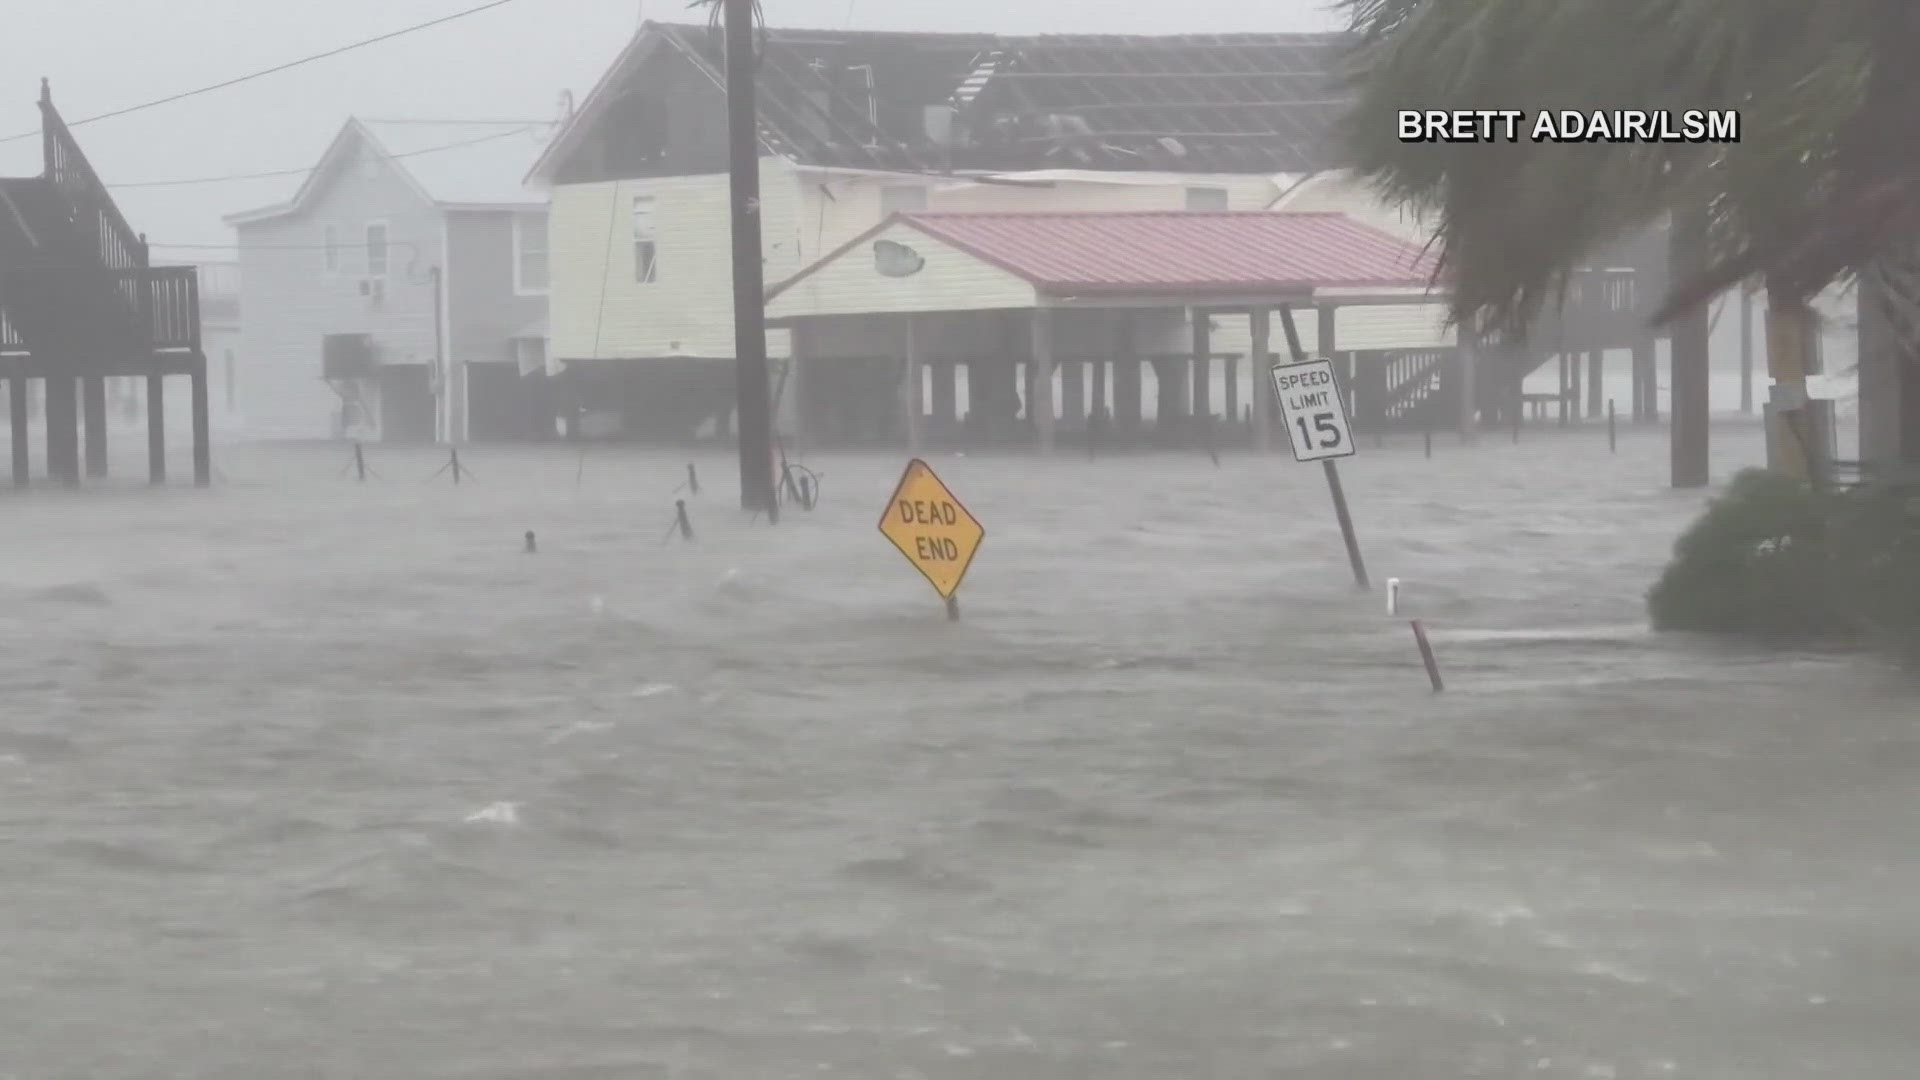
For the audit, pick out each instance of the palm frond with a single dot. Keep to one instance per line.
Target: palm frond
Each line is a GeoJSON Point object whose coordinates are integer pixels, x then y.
{"type": "Point", "coordinates": [1808, 196]}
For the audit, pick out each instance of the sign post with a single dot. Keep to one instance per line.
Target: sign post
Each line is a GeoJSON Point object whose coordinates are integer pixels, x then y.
{"type": "Point", "coordinates": [1317, 427]}
{"type": "Point", "coordinates": [933, 530]}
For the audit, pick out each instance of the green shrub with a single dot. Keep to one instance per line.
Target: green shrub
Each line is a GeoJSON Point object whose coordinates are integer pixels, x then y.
{"type": "Point", "coordinates": [1774, 558]}
{"type": "Point", "coordinates": [1756, 562]}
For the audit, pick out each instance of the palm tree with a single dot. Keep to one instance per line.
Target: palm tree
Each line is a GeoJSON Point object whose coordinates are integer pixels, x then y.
{"type": "Point", "coordinates": [1822, 186]}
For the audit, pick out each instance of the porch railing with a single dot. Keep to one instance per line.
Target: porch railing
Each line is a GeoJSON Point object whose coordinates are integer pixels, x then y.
{"type": "Point", "coordinates": [104, 231]}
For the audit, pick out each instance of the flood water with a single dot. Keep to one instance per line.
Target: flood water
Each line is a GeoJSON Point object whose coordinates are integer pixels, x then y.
{"type": "Point", "coordinates": [301, 777]}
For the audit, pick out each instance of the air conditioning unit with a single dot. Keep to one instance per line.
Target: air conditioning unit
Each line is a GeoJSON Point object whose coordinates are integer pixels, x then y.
{"type": "Point", "coordinates": [347, 356]}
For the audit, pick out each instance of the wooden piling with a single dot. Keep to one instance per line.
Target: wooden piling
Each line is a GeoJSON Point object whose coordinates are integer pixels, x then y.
{"type": "Point", "coordinates": [63, 429]}
{"type": "Point", "coordinates": [156, 429]}
{"type": "Point", "coordinates": [93, 407]}
{"type": "Point", "coordinates": [202, 437]}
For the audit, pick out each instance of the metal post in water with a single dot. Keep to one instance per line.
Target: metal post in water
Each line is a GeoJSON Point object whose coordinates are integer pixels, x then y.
{"type": "Point", "coordinates": [1613, 441]}
{"type": "Point", "coordinates": [1346, 524]}
{"type": "Point", "coordinates": [1393, 596]}
{"type": "Point", "coordinates": [1426, 656]}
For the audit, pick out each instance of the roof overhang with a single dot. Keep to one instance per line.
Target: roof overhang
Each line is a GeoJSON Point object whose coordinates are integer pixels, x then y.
{"type": "Point", "coordinates": [953, 275]}
{"type": "Point", "coordinates": [527, 207]}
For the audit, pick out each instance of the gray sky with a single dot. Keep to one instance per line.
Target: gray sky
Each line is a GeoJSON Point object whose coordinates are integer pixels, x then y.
{"type": "Point", "coordinates": [508, 63]}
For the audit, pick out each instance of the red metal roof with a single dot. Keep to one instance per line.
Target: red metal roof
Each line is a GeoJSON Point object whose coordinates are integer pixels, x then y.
{"type": "Point", "coordinates": [1189, 253]}
{"type": "Point", "coordinates": [1184, 251]}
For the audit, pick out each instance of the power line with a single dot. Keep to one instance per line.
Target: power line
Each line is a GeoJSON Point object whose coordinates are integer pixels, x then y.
{"type": "Point", "coordinates": [272, 70]}
{"type": "Point", "coordinates": [310, 168]}
{"type": "Point", "coordinates": [451, 123]}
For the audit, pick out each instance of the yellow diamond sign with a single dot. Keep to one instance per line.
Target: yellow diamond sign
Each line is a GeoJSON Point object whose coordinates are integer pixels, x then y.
{"type": "Point", "coordinates": [930, 527]}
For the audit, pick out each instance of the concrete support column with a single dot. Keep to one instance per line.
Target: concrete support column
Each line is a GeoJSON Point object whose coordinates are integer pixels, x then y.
{"type": "Point", "coordinates": [1596, 383]}
{"type": "Point", "coordinates": [1201, 395]}
{"type": "Point", "coordinates": [944, 418]}
{"type": "Point", "coordinates": [1746, 347]}
{"type": "Point", "coordinates": [1466, 362]}
{"type": "Point", "coordinates": [17, 392]}
{"type": "Point", "coordinates": [1073, 393]}
{"type": "Point", "coordinates": [1040, 399]}
{"type": "Point", "coordinates": [1170, 399]}
{"type": "Point", "coordinates": [1568, 379]}
{"type": "Point", "coordinates": [1262, 385]}
{"type": "Point", "coordinates": [1230, 374]}
{"type": "Point", "coordinates": [1646, 388]}
{"type": "Point", "coordinates": [1127, 380]}
{"type": "Point", "coordinates": [912, 364]}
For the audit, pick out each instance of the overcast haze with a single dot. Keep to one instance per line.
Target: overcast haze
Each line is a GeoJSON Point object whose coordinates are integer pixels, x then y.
{"type": "Point", "coordinates": [508, 63]}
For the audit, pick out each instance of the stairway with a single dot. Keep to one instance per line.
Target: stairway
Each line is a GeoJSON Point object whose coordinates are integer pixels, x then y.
{"type": "Point", "coordinates": [79, 304]}
{"type": "Point", "coordinates": [60, 302]}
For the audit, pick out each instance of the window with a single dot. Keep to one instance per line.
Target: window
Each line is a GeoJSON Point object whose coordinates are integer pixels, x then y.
{"type": "Point", "coordinates": [331, 242]}
{"type": "Point", "coordinates": [377, 249]}
{"type": "Point", "coordinates": [902, 199]}
{"type": "Point", "coordinates": [530, 264]}
{"type": "Point", "coordinates": [644, 249]}
{"type": "Point", "coordinates": [1206, 198]}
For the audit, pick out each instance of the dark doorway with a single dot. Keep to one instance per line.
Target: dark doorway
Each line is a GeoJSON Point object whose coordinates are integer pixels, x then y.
{"type": "Point", "coordinates": [504, 405]}
{"type": "Point", "coordinates": [406, 404]}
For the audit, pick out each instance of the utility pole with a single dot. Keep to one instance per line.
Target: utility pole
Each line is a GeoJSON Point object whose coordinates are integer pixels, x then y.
{"type": "Point", "coordinates": [749, 286]}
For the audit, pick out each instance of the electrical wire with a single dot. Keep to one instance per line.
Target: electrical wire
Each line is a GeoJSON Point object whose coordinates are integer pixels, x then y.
{"type": "Point", "coordinates": [310, 168]}
{"type": "Point", "coordinates": [272, 70]}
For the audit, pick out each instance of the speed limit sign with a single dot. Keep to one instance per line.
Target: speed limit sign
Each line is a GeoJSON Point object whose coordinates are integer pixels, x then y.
{"type": "Point", "coordinates": [1310, 405]}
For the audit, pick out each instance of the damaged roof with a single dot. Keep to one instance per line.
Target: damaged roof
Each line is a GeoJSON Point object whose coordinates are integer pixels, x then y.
{"type": "Point", "coordinates": [1220, 103]}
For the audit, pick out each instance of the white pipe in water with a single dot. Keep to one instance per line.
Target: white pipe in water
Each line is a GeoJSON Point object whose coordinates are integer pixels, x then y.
{"type": "Point", "coordinates": [1393, 596]}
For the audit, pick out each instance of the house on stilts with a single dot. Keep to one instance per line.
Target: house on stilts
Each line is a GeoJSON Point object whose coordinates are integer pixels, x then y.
{"type": "Point", "coordinates": [911, 154]}
{"type": "Point", "coordinates": [80, 305]}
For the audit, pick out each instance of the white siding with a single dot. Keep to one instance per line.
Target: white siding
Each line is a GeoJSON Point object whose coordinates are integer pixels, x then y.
{"type": "Point", "coordinates": [598, 308]}
{"type": "Point", "coordinates": [599, 311]}
{"type": "Point", "coordinates": [1413, 326]}
{"type": "Point", "coordinates": [951, 280]}
{"type": "Point", "coordinates": [289, 301]}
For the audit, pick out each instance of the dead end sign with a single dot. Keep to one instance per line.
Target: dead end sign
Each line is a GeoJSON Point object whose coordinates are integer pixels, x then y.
{"type": "Point", "coordinates": [931, 528]}
{"type": "Point", "coordinates": [1310, 405]}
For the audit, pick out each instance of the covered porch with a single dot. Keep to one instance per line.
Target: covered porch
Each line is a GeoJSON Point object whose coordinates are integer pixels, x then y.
{"type": "Point", "coordinates": [1099, 330]}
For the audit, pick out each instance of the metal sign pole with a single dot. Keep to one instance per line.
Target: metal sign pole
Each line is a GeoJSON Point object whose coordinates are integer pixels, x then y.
{"type": "Point", "coordinates": [1334, 489]}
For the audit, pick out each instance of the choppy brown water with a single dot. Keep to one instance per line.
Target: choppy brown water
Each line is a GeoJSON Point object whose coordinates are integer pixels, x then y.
{"type": "Point", "coordinates": [301, 778]}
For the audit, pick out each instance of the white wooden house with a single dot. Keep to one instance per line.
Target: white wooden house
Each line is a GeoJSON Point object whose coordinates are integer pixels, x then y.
{"type": "Point", "coordinates": [398, 292]}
